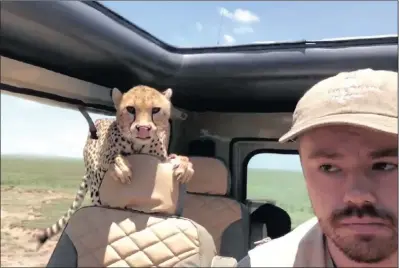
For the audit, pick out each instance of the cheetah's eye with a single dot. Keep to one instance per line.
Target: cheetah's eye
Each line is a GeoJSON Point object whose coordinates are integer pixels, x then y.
{"type": "Point", "coordinates": [131, 109]}
{"type": "Point", "coordinates": [155, 110]}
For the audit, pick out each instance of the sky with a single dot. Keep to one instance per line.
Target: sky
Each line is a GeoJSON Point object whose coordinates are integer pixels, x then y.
{"type": "Point", "coordinates": [28, 127]}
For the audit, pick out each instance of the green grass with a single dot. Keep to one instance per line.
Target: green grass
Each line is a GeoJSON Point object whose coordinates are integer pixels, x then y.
{"type": "Point", "coordinates": [37, 178]}
{"type": "Point", "coordinates": [63, 175]}
{"type": "Point", "coordinates": [58, 174]}
{"type": "Point", "coordinates": [286, 188]}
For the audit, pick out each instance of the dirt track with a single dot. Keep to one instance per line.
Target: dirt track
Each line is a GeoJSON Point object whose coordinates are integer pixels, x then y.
{"type": "Point", "coordinates": [18, 247]}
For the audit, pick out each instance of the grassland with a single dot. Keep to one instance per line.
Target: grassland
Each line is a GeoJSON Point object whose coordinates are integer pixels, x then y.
{"type": "Point", "coordinates": [63, 175]}
{"type": "Point", "coordinates": [35, 192]}
{"type": "Point", "coordinates": [286, 188]}
{"type": "Point", "coordinates": [51, 176]}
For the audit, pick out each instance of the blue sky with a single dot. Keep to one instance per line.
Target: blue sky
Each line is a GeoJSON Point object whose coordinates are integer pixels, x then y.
{"type": "Point", "coordinates": [32, 128]}
{"type": "Point", "coordinates": [186, 23]}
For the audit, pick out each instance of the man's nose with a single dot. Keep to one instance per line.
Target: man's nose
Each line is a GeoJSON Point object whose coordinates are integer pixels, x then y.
{"type": "Point", "coordinates": [359, 190]}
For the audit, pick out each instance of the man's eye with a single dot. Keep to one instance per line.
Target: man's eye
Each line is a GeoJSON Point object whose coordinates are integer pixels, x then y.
{"type": "Point", "coordinates": [384, 166]}
{"type": "Point", "coordinates": [328, 168]}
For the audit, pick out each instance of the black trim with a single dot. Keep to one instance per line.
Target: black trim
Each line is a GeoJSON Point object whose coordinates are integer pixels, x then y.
{"type": "Point", "coordinates": [103, 48]}
{"type": "Point", "coordinates": [92, 126]}
{"type": "Point", "coordinates": [128, 24]}
{"type": "Point", "coordinates": [231, 164]}
{"type": "Point", "coordinates": [238, 139]}
{"type": "Point", "coordinates": [171, 127]}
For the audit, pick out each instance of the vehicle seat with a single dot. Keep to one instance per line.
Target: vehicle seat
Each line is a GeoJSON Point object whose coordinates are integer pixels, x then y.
{"type": "Point", "coordinates": [150, 234]}
{"type": "Point", "coordinates": [202, 147]}
{"type": "Point", "coordinates": [268, 221]}
{"type": "Point", "coordinates": [208, 204]}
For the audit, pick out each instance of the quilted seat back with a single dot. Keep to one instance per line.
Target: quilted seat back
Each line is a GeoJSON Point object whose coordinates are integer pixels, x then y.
{"type": "Point", "coordinates": [207, 198]}
{"type": "Point", "coordinates": [148, 233]}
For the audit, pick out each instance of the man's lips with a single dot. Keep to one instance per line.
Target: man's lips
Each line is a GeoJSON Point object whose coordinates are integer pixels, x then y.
{"type": "Point", "coordinates": [362, 221]}
{"type": "Point", "coordinates": [366, 226]}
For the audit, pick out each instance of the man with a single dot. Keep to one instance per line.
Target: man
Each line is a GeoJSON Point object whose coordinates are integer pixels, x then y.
{"type": "Point", "coordinates": [346, 127]}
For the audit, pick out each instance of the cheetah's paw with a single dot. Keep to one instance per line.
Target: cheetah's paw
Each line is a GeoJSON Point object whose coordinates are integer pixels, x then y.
{"type": "Point", "coordinates": [122, 173]}
{"type": "Point", "coordinates": [183, 168]}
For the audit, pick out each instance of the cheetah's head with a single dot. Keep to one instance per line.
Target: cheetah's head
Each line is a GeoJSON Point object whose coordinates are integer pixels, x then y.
{"type": "Point", "coordinates": [142, 112]}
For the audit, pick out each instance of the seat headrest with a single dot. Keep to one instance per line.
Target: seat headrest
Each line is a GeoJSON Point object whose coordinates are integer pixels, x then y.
{"type": "Point", "coordinates": [211, 176]}
{"type": "Point", "coordinates": [153, 188]}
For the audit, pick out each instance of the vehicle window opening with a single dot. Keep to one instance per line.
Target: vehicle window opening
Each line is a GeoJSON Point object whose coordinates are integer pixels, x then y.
{"type": "Point", "coordinates": [277, 178]}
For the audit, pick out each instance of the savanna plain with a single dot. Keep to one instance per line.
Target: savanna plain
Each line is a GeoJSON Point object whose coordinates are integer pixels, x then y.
{"type": "Point", "coordinates": [36, 191]}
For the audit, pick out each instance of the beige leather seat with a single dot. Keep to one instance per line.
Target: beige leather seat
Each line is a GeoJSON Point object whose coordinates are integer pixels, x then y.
{"type": "Point", "coordinates": [207, 203]}
{"type": "Point", "coordinates": [148, 235]}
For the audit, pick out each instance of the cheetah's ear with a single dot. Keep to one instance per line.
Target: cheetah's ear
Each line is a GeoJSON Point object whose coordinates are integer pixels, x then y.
{"type": "Point", "coordinates": [168, 93]}
{"type": "Point", "coordinates": [116, 96]}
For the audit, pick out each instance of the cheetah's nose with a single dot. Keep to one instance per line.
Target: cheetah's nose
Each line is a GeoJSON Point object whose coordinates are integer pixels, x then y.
{"type": "Point", "coordinates": [143, 132]}
{"type": "Point", "coordinates": [143, 127]}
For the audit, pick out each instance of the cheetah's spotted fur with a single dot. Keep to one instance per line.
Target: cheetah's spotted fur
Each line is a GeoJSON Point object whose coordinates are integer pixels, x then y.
{"type": "Point", "coordinates": [137, 109]}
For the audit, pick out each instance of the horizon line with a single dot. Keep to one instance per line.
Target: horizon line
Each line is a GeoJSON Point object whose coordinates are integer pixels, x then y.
{"type": "Point", "coordinates": [81, 158]}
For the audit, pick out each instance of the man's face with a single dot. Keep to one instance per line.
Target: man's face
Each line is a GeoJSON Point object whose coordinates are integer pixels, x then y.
{"type": "Point", "coordinates": [352, 179]}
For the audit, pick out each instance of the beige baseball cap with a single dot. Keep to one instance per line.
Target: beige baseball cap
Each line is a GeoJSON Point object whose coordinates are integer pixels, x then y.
{"type": "Point", "coordinates": [367, 98]}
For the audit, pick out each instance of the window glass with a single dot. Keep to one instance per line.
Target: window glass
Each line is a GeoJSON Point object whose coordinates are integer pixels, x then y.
{"type": "Point", "coordinates": [278, 178]}
{"type": "Point", "coordinates": [41, 169]}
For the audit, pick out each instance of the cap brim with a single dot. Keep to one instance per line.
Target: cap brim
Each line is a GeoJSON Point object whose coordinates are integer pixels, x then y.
{"type": "Point", "coordinates": [371, 121]}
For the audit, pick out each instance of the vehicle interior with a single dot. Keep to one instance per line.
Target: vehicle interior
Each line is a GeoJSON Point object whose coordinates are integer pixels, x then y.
{"type": "Point", "coordinates": [230, 103]}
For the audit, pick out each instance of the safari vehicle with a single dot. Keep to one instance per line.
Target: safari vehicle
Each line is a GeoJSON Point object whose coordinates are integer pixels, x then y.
{"type": "Point", "coordinates": [231, 103]}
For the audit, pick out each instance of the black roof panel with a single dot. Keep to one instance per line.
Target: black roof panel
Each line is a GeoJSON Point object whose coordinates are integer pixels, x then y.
{"type": "Point", "coordinates": [85, 40]}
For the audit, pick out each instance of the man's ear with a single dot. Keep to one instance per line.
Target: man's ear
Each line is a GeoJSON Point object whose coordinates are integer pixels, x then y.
{"type": "Point", "coordinates": [116, 96]}
{"type": "Point", "coordinates": [168, 93]}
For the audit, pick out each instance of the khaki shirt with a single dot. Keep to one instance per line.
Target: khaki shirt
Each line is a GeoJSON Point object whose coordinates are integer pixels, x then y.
{"type": "Point", "coordinates": [303, 247]}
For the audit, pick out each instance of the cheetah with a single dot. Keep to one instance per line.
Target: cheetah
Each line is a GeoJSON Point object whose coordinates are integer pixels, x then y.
{"type": "Point", "coordinates": [141, 126]}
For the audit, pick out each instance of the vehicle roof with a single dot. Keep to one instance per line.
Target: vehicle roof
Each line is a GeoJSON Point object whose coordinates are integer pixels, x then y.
{"type": "Point", "coordinates": [85, 40]}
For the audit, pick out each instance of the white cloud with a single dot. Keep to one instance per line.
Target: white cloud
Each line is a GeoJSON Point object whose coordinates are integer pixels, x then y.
{"type": "Point", "coordinates": [270, 42]}
{"type": "Point", "coordinates": [245, 16]}
{"type": "Point", "coordinates": [224, 12]}
{"type": "Point", "coordinates": [228, 39]}
{"type": "Point", "coordinates": [243, 30]}
{"type": "Point", "coordinates": [240, 15]}
{"type": "Point", "coordinates": [199, 26]}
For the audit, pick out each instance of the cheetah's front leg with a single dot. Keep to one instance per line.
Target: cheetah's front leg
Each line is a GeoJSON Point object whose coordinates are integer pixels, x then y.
{"type": "Point", "coordinates": [122, 170]}
{"type": "Point", "coordinates": [183, 168]}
